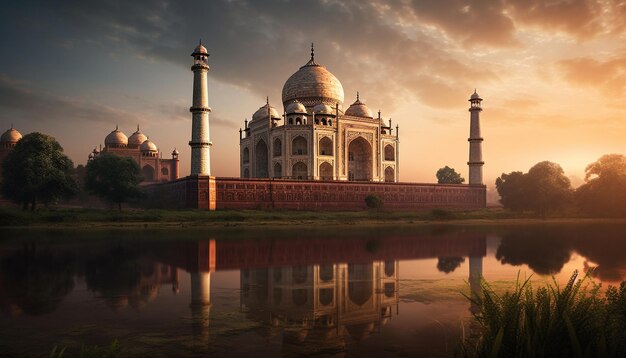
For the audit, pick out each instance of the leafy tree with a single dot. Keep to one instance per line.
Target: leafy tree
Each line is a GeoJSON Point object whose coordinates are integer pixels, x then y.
{"type": "Point", "coordinates": [511, 188]}
{"type": "Point", "coordinates": [548, 188]}
{"type": "Point", "coordinates": [545, 188]}
{"type": "Point", "coordinates": [36, 170]}
{"type": "Point", "coordinates": [447, 175]}
{"type": "Point", "coordinates": [113, 178]}
{"type": "Point", "coordinates": [604, 190]}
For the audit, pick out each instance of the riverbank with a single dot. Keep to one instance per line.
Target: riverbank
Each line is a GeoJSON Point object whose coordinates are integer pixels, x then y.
{"type": "Point", "coordinates": [11, 217]}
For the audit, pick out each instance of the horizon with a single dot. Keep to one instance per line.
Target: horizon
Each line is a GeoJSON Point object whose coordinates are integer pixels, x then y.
{"type": "Point", "coordinates": [562, 63]}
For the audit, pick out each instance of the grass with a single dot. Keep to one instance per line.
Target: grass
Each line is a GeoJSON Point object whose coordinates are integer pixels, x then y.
{"type": "Point", "coordinates": [67, 216]}
{"type": "Point", "coordinates": [572, 321]}
{"type": "Point", "coordinates": [111, 351]}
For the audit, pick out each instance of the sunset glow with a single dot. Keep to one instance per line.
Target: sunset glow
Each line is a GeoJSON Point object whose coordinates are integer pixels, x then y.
{"type": "Point", "coordinates": [552, 73]}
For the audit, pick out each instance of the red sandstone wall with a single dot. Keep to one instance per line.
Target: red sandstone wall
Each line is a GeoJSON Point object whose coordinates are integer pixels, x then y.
{"type": "Point", "coordinates": [200, 192]}
{"type": "Point", "coordinates": [234, 193]}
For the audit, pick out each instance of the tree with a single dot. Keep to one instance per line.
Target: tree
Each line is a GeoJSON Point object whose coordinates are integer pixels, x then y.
{"type": "Point", "coordinates": [545, 188]}
{"type": "Point", "coordinates": [36, 170]}
{"type": "Point", "coordinates": [113, 178]}
{"type": "Point", "coordinates": [604, 190]}
{"type": "Point", "coordinates": [447, 175]}
{"type": "Point", "coordinates": [549, 189]}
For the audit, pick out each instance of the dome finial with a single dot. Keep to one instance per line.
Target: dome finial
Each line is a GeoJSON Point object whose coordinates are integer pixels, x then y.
{"type": "Point", "coordinates": [117, 127]}
{"type": "Point", "coordinates": [137, 127]}
{"type": "Point", "coordinates": [357, 95]}
{"type": "Point", "coordinates": [267, 100]}
{"type": "Point", "coordinates": [312, 52]}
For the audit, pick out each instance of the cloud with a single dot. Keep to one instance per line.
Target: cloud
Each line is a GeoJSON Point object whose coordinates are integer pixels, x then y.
{"type": "Point", "coordinates": [18, 102]}
{"type": "Point", "coordinates": [607, 76]}
{"type": "Point", "coordinates": [257, 45]}
{"type": "Point", "coordinates": [580, 18]}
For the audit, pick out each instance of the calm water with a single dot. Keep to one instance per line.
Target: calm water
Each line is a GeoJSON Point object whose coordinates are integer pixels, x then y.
{"type": "Point", "coordinates": [270, 293]}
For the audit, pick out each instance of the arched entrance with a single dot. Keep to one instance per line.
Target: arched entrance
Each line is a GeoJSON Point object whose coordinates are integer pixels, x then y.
{"type": "Point", "coordinates": [326, 146]}
{"type": "Point", "coordinates": [390, 153]}
{"type": "Point", "coordinates": [360, 160]}
{"type": "Point", "coordinates": [148, 173]}
{"type": "Point", "coordinates": [278, 170]}
{"type": "Point", "coordinates": [299, 146]}
{"type": "Point", "coordinates": [389, 175]}
{"type": "Point", "coordinates": [246, 173]}
{"type": "Point", "coordinates": [299, 171]}
{"type": "Point", "coordinates": [260, 160]}
{"type": "Point", "coordinates": [326, 171]}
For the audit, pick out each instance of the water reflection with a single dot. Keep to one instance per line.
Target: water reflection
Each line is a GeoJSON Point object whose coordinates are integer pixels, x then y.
{"type": "Point", "coordinates": [291, 295]}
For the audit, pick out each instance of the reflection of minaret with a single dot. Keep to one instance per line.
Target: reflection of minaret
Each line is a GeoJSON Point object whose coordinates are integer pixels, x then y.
{"type": "Point", "coordinates": [475, 276]}
{"type": "Point", "coordinates": [201, 290]}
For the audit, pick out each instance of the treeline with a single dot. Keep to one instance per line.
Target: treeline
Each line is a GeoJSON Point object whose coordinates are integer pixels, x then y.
{"type": "Point", "coordinates": [545, 189]}
{"type": "Point", "coordinates": [37, 171]}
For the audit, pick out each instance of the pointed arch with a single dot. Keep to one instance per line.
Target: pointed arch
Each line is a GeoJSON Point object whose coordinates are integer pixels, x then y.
{"type": "Point", "coordinates": [390, 175]}
{"type": "Point", "coordinates": [260, 160]}
{"type": "Point", "coordinates": [299, 146]}
{"type": "Point", "coordinates": [326, 171]}
{"type": "Point", "coordinates": [326, 146]}
{"type": "Point", "coordinates": [299, 171]}
{"type": "Point", "coordinates": [360, 160]}
{"type": "Point", "coordinates": [390, 153]}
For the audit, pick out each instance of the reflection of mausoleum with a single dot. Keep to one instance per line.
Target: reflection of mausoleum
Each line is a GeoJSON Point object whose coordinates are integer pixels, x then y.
{"type": "Point", "coordinates": [337, 299]}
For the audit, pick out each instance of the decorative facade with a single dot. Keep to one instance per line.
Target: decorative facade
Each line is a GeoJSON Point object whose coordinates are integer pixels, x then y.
{"type": "Point", "coordinates": [154, 168]}
{"type": "Point", "coordinates": [314, 139]}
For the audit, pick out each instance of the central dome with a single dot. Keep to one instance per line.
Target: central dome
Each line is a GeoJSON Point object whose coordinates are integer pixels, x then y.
{"type": "Point", "coordinates": [313, 84]}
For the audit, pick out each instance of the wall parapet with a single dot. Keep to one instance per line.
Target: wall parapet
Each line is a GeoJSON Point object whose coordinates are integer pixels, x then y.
{"type": "Point", "coordinates": [211, 193]}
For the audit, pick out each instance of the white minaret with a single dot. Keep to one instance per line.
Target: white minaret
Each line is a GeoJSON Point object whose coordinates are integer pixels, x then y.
{"type": "Point", "coordinates": [200, 144]}
{"type": "Point", "coordinates": [475, 162]}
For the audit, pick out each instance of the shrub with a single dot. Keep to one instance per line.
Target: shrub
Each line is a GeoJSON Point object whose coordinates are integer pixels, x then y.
{"type": "Point", "coordinates": [551, 321]}
{"type": "Point", "coordinates": [373, 201]}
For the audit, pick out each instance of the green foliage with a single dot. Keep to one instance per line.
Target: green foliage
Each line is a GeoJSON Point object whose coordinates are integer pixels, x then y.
{"type": "Point", "coordinates": [373, 201]}
{"type": "Point", "coordinates": [447, 175]}
{"type": "Point", "coordinates": [604, 191]}
{"type": "Point", "coordinates": [113, 178]}
{"type": "Point", "coordinates": [36, 170]}
{"type": "Point", "coordinates": [442, 214]}
{"type": "Point", "coordinates": [544, 189]}
{"type": "Point", "coordinates": [549, 322]}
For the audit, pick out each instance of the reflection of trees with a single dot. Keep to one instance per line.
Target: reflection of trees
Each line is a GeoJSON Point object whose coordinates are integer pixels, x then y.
{"type": "Point", "coordinates": [449, 264]}
{"type": "Point", "coordinates": [545, 255]}
{"type": "Point", "coordinates": [37, 280]}
{"type": "Point", "coordinates": [114, 274]}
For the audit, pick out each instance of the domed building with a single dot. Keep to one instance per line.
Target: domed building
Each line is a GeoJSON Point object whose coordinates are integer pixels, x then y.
{"type": "Point", "coordinates": [138, 146]}
{"type": "Point", "coordinates": [314, 138]}
{"type": "Point", "coordinates": [8, 140]}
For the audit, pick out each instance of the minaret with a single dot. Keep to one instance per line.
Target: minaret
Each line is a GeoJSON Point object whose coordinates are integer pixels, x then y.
{"type": "Point", "coordinates": [475, 162]}
{"type": "Point", "coordinates": [200, 144]}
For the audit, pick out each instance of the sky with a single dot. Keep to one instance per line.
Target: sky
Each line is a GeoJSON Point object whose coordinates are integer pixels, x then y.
{"type": "Point", "coordinates": [552, 73]}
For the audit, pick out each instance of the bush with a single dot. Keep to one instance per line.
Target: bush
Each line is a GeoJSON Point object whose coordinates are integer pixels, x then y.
{"type": "Point", "coordinates": [373, 201]}
{"type": "Point", "coordinates": [551, 321]}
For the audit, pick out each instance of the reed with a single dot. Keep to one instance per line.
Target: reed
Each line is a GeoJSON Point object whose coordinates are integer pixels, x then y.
{"type": "Point", "coordinates": [576, 320]}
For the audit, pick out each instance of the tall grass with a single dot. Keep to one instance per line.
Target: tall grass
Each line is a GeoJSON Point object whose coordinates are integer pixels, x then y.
{"type": "Point", "coordinates": [553, 321]}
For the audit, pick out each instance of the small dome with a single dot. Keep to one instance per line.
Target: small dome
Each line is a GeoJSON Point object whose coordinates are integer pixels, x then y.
{"type": "Point", "coordinates": [200, 49]}
{"type": "Point", "coordinates": [116, 138]}
{"type": "Point", "coordinates": [261, 113]}
{"type": "Point", "coordinates": [137, 138]}
{"type": "Point", "coordinates": [323, 109]}
{"type": "Point", "coordinates": [475, 96]}
{"type": "Point", "coordinates": [11, 136]}
{"type": "Point", "coordinates": [148, 146]}
{"type": "Point", "coordinates": [295, 107]}
{"type": "Point", "coordinates": [359, 109]}
{"type": "Point", "coordinates": [175, 152]}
